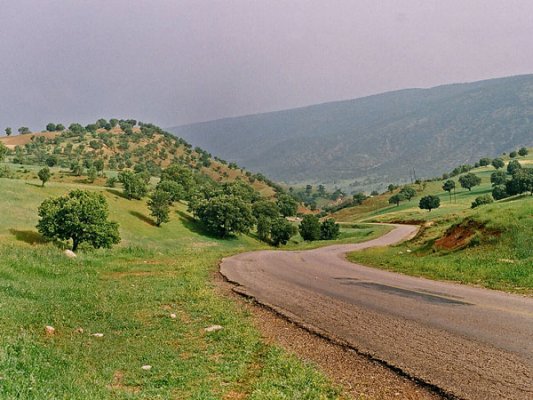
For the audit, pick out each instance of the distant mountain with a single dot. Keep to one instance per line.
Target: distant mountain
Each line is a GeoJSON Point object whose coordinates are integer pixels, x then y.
{"type": "Point", "coordinates": [382, 137]}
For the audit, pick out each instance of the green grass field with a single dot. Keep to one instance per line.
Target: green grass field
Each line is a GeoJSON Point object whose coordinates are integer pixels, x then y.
{"type": "Point", "coordinates": [128, 294]}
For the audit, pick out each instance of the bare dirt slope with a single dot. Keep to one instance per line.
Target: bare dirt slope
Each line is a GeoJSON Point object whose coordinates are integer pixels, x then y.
{"type": "Point", "coordinates": [472, 343]}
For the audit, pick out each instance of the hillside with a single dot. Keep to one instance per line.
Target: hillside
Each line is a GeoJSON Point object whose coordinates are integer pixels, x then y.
{"type": "Point", "coordinates": [378, 138]}
{"type": "Point", "coordinates": [142, 147]}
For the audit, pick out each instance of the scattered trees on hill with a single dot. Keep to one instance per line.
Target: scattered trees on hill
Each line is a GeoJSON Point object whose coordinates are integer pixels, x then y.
{"type": "Point", "coordinates": [44, 175]}
{"type": "Point", "coordinates": [468, 181]}
{"type": "Point", "coordinates": [498, 163]}
{"type": "Point", "coordinates": [81, 216]}
{"type": "Point", "coordinates": [429, 202]}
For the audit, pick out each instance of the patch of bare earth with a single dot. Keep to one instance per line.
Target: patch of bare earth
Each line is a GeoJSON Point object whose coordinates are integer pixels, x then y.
{"type": "Point", "coordinates": [357, 375]}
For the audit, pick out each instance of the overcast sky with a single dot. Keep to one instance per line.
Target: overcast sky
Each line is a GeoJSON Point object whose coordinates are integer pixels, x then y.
{"type": "Point", "coordinates": [175, 62]}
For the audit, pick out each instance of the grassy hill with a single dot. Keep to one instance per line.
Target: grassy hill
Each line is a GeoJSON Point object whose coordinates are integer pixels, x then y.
{"type": "Point", "coordinates": [376, 139]}
{"type": "Point", "coordinates": [145, 148]}
{"type": "Point", "coordinates": [491, 245]}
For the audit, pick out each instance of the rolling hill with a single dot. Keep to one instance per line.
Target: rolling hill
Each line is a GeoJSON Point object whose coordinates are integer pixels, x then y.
{"type": "Point", "coordinates": [379, 138]}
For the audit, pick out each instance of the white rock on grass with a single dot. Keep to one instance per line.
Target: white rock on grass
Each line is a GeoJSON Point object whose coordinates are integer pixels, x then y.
{"type": "Point", "coordinates": [98, 334]}
{"type": "Point", "coordinates": [50, 330]}
{"type": "Point", "coordinates": [146, 367]}
{"type": "Point", "coordinates": [213, 328]}
{"type": "Point", "coordinates": [70, 254]}
{"type": "Point", "coordinates": [173, 316]}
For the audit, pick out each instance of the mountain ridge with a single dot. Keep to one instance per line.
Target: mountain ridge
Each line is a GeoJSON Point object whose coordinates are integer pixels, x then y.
{"type": "Point", "coordinates": [379, 137]}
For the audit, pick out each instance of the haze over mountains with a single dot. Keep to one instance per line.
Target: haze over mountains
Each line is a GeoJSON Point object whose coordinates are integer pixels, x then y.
{"type": "Point", "coordinates": [377, 138]}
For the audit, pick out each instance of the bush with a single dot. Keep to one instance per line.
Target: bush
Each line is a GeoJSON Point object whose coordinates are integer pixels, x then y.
{"type": "Point", "coordinates": [281, 231]}
{"type": "Point", "coordinates": [523, 152]}
{"type": "Point", "coordinates": [80, 216]}
{"type": "Point", "coordinates": [499, 192]}
{"type": "Point", "coordinates": [329, 230]}
{"type": "Point", "coordinates": [429, 202]}
{"type": "Point", "coordinates": [310, 227]}
{"type": "Point", "coordinates": [480, 200]}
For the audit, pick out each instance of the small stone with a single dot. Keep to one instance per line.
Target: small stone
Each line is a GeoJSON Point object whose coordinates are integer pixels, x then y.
{"type": "Point", "coordinates": [50, 330]}
{"type": "Point", "coordinates": [98, 334]}
{"type": "Point", "coordinates": [213, 328]}
{"type": "Point", "coordinates": [70, 254]}
{"type": "Point", "coordinates": [173, 316]}
{"type": "Point", "coordinates": [147, 367]}
{"type": "Point", "coordinates": [408, 250]}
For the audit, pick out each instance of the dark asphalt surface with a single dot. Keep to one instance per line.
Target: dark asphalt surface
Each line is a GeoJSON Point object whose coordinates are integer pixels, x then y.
{"type": "Point", "coordinates": [472, 343]}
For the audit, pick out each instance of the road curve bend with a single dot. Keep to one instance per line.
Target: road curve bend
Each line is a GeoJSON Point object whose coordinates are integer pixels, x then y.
{"type": "Point", "coordinates": [472, 343]}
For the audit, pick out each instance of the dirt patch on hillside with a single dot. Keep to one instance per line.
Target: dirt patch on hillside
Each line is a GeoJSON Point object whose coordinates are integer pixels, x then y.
{"type": "Point", "coordinates": [460, 236]}
{"type": "Point", "coordinates": [21, 140]}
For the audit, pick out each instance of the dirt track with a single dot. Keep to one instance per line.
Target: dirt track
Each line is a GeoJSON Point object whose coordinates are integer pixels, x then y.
{"type": "Point", "coordinates": [472, 343]}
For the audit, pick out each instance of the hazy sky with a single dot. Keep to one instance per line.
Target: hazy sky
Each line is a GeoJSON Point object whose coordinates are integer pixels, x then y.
{"type": "Point", "coordinates": [175, 62]}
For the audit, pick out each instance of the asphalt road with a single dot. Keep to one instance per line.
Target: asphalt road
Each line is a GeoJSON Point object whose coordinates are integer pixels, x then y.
{"type": "Point", "coordinates": [470, 342]}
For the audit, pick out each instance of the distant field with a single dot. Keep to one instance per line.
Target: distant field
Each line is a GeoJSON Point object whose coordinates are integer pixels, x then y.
{"type": "Point", "coordinates": [128, 294]}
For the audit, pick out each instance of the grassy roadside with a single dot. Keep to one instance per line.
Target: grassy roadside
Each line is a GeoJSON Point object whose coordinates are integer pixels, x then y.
{"type": "Point", "coordinates": [491, 247]}
{"type": "Point", "coordinates": [128, 294]}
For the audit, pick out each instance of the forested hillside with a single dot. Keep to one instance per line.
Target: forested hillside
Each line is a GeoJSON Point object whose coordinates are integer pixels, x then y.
{"type": "Point", "coordinates": [378, 138]}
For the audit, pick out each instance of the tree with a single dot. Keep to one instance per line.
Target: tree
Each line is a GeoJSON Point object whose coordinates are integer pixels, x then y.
{"type": "Point", "coordinates": [99, 165]}
{"type": "Point", "coordinates": [408, 192]}
{"type": "Point", "coordinates": [287, 205]}
{"type": "Point", "coordinates": [134, 185]}
{"type": "Point", "coordinates": [8, 131]}
{"type": "Point", "coordinates": [44, 175]}
{"type": "Point", "coordinates": [91, 174]}
{"type": "Point", "coordinates": [175, 191]}
{"type": "Point", "coordinates": [498, 178]}
{"type": "Point", "coordinates": [358, 198]}
{"type": "Point", "coordinates": [522, 181]}
{"type": "Point", "coordinates": [264, 224]}
{"type": "Point", "coordinates": [60, 127]}
{"type": "Point", "coordinates": [485, 162]}
{"type": "Point", "coordinates": [481, 200]}
{"type": "Point", "coordinates": [396, 199]}
{"type": "Point", "coordinates": [23, 130]}
{"type": "Point", "coordinates": [265, 208]}
{"type": "Point", "coordinates": [513, 154]}
{"type": "Point", "coordinates": [51, 127]}
{"type": "Point", "coordinates": [281, 231]}
{"type": "Point", "coordinates": [225, 214]}
{"type": "Point", "coordinates": [498, 163]}
{"type": "Point", "coordinates": [448, 186]}
{"type": "Point", "coordinates": [310, 227]}
{"type": "Point", "coordinates": [523, 151]}
{"type": "Point", "coordinates": [81, 216]}
{"type": "Point", "coordinates": [159, 205]}
{"type": "Point", "coordinates": [391, 188]}
{"type": "Point", "coordinates": [51, 161]}
{"type": "Point", "coordinates": [329, 230]}
{"type": "Point", "coordinates": [181, 175]}
{"type": "Point", "coordinates": [429, 202]}
{"type": "Point", "coordinates": [499, 192]}
{"type": "Point", "coordinates": [3, 151]}
{"type": "Point", "coordinates": [468, 181]}
{"type": "Point", "coordinates": [513, 166]}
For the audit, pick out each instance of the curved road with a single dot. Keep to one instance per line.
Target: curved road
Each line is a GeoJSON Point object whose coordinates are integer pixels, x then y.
{"type": "Point", "coordinates": [472, 343]}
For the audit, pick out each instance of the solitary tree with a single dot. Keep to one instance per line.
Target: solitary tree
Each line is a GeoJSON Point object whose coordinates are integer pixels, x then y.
{"type": "Point", "coordinates": [134, 185]}
{"type": "Point", "coordinates": [23, 130]}
{"type": "Point", "coordinates": [523, 151]}
{"type": "Point", "coordinates": [498, 163]}
{"type": "Point", "coordinates": [513, 154]}
{"type": "Point", "coordinates": [429, 202]}
{"type": "Point", "coordinates": [396, 199]}
{"type": "Point", "coordinates": [44, 175]}
{"type": "Point", "coordinates": [310, 227]}
{"type": "Point", "coordinates": [175, 191]}
{"type": "Point", "coordinates": [468, 181]}
{"type": "Point", "coordinates": [51, 127]}
{"type": "Point", "coordinates": [448, 186]}
{"type": "Point", "coordinates": [81, 216]}
{"type": "Point", "coordinates": [60, 127]}
{"type": "Point", "coordinates": [8, 131]}
{"type": "Point", "coordinates": [358, 198]}
{"type": "Point", "coordinates": [159, 205]}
